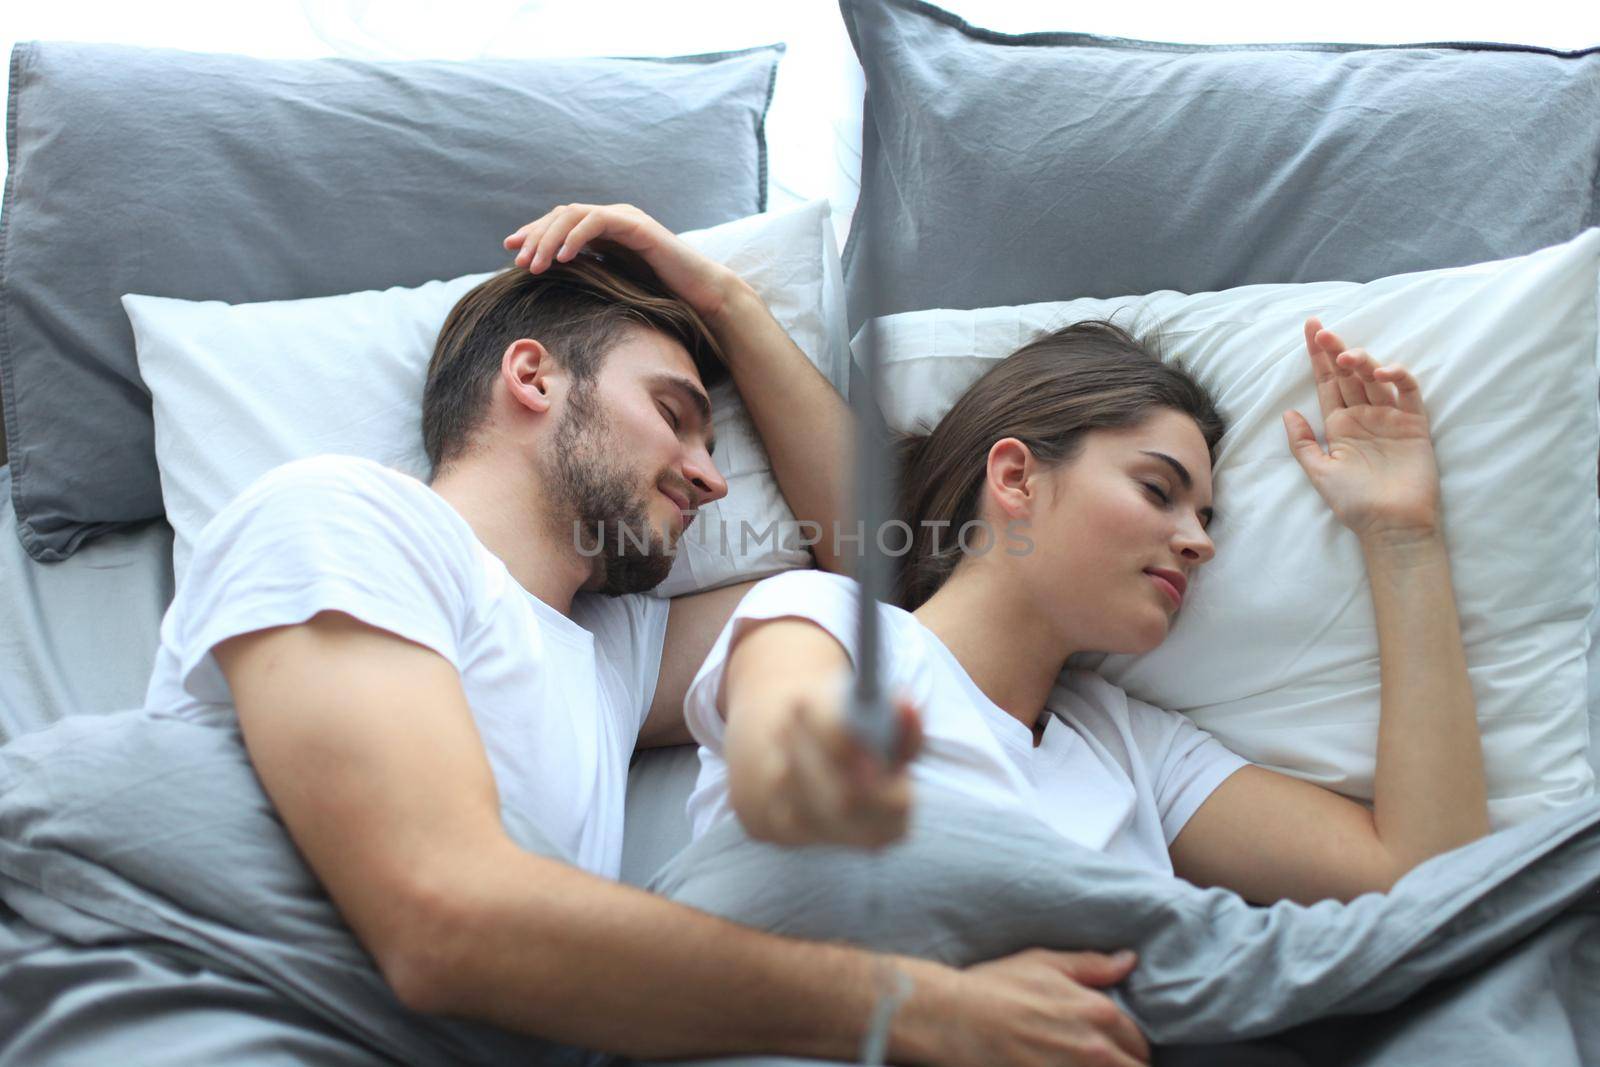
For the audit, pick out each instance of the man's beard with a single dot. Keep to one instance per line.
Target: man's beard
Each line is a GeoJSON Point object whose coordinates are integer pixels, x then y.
{"type": "Point", "coordinates": [600, 501]}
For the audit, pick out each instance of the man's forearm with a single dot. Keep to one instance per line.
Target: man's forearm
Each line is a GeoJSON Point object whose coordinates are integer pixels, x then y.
{"type": "Point", "coordinates": [802, 420]}
{"type": "Point", "coordinates": [543, 948]}
{"type": "Point", "coordinates": [1429, 791]}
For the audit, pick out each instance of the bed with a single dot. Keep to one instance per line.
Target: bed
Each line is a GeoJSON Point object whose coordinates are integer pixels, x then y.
{"type": "Point", "coordinates": [984, 193]}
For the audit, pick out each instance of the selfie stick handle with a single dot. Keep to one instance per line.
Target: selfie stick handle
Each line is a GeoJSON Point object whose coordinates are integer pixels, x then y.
{"type": "Point", "coordinates": [871, 716]}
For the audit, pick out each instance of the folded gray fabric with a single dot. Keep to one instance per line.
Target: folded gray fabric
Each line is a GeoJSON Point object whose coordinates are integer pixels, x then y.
{"type": "Point", "coordinates": [144, 872]}
{"type": "Point", "coordinates": [971, 883]}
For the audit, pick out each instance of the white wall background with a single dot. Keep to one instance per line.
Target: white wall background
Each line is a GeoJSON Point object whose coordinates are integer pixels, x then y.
{"type": "Point", "coordinates": [814, 124]}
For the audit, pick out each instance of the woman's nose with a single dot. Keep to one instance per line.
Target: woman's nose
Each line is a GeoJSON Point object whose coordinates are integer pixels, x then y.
{"type": "Point", "coordinates": [1194, 543]}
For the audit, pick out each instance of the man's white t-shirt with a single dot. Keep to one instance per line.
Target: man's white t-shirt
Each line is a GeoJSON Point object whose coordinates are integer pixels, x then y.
{"type": "Point", "coordinates": [558, 701]}
{"type": "Point", "coordinates": [1111, 773]}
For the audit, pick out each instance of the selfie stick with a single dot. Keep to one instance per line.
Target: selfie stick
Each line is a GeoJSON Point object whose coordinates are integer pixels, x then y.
{"type": "Point", "coordinates": [871, 717]}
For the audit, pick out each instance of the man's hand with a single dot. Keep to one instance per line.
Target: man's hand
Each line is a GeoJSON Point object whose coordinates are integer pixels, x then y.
{"type": "Point", "coordinates": [560, 234]}
{"type": "Point", "coordinates": [1042, 1009]}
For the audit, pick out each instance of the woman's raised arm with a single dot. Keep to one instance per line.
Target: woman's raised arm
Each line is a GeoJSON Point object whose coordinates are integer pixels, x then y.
{"type": "Point", "coordinates": [1286, 838]}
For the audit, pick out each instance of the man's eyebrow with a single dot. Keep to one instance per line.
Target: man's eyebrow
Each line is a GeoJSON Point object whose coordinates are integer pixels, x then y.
{"type": "Point", "coordinates": [1183, 476]}
{"type": "Point", "coordinates": [693, 394]}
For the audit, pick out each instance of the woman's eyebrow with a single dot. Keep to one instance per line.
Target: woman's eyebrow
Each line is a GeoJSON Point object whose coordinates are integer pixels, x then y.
{"type": "Point", "coordinates": [697, 399]}
{"type": "Point", "coordinates": [1183, 476]}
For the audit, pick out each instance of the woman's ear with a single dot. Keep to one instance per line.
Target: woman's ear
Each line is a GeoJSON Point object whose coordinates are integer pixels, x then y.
{"type": "Point", "coordinates": [1013, 478]}
{"type": "Point", "coordinates": [526, 370]}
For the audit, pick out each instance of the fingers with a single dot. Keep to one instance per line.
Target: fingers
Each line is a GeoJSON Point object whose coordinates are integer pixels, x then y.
{"type": "Point", "coordinates": [1350, 377]}
{"type": "Point", "coordinates": [1358, 366]}
{"type": "Point", "coordinates": [1329, 397]}
{"type": "Point", "coordinates": [539, 242]}
{"type": "Point", "coordinates": [1351, 393]}
{"type": "Point", "coordinates": [1122, 1030]}
{"type": "Point", "coordinates": [1336, 388]}
{"type": "Point", "coordinates": [1389, 385]}
{"type": "Point", "coordinates": [1303, 444]}
{"type": "Point", "coordinates": [588, 228]}
{"type": "Point", "coordinates": [910, 733]}
{"type": "Point", "coordinates": [1400, 387]}
{"type": "Point", "coordinates": [1096, 968]}
{"type": "Point", "coordinates": [819, 795]}
{"type": "Point", "coordinates": [525, 239]}
{"type": "Point", "coordinates": [560, 234]}
{"type": "Point", "coordinates": [554, 236]}
{"type": "Point", "coordinates": [840, 793]}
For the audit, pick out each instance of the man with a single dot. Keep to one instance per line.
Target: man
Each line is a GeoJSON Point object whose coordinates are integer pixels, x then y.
{"type": "Point", "coordinates": [416, 667]}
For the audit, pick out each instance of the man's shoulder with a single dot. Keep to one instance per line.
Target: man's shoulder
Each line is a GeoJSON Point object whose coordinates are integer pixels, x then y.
{"type": "Point", "coordinates": [347, 485]}
{"type": "Point", "coordinates": [335, 471]}
{"type": "Point", "coordinates": [342, 498]}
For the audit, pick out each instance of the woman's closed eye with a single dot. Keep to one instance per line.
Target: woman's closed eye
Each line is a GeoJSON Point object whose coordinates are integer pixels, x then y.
{"type": "Point", "coordinates": [1205, 520]}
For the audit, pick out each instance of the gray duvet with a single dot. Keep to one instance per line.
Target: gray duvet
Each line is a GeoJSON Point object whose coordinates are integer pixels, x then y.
{"type": "Point", "coordinates": [1486, 955]}
{"type": "Point", "coordinates": [153, 911]}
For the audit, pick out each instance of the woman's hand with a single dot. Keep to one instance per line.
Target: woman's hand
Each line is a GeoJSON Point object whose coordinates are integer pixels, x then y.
{"type": "Point", "coordinates": [815, 783]}
{"type": "Point", "coordinates": [1378, 473]}
{"type": "Point", "coordinates": [563, 232]}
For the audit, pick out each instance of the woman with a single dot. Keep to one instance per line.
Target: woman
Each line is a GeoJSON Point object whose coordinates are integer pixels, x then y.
{"type": "Point", "coordinates": [1088, 462]}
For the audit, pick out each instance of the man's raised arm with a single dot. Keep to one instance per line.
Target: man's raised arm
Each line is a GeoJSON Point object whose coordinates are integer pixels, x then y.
{"type": "Point", "coordinates": [802, 421]}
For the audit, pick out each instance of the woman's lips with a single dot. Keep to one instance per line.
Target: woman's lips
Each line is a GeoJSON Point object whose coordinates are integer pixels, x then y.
{"type": "Point", "coordinates": [1171, 590]}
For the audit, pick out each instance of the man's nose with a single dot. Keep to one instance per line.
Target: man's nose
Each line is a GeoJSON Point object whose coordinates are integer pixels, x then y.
{"type": "Point", "coordinates": [708, 482]}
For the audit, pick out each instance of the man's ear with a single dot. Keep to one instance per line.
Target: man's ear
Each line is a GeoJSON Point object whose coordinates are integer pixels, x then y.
{"type": "Point", "coordinates": [1013, 478]}
{"type": "Point", "coordinates": [527, 370]}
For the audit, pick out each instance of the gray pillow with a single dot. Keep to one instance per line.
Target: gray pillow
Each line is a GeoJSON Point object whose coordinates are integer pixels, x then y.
{"type": "Point", "coordinates": [216, 177]}
{"type": "Point", "coordinates": [1002, 169]}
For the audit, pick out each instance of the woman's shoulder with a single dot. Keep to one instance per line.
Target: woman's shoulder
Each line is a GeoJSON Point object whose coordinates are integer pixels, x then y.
{"type": "Point", "coordinates": [813, 585]}
{"type": "Point", "coordinates": [830, 600]}
{"type": "Point", "coordinates": [808, 579]}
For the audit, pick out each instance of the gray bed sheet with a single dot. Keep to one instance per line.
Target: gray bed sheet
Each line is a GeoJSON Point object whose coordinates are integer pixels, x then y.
{"type": "Point", "coordinates": [78, 637]}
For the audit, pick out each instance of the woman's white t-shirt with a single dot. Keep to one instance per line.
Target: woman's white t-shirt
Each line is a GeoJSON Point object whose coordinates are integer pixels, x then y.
{"type": "Point", "coordinates": [558, 701]}
{"type": "Point", "coordinates": [1111, 773]}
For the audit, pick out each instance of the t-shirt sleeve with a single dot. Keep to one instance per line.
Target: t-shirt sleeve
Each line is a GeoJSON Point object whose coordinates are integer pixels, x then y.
{"type": "Point", "coordinates": [630, 633]}
{"type": "Point", "coordinates": [1185, 763]}
{"type": "Point", "coordinates": [829, 600]}
{"type": "Point", "coordinates": [328, 534]}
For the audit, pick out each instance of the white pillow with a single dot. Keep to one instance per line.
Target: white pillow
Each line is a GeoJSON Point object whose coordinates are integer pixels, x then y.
{"type": "Point", "coordinates": [1275, 650]}
{"type": "Point", "coordinates": [239, 389]}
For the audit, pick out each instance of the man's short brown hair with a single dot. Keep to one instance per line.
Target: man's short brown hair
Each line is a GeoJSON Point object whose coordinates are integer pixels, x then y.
{"type": "Point", "coordinates": [578, 310]}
